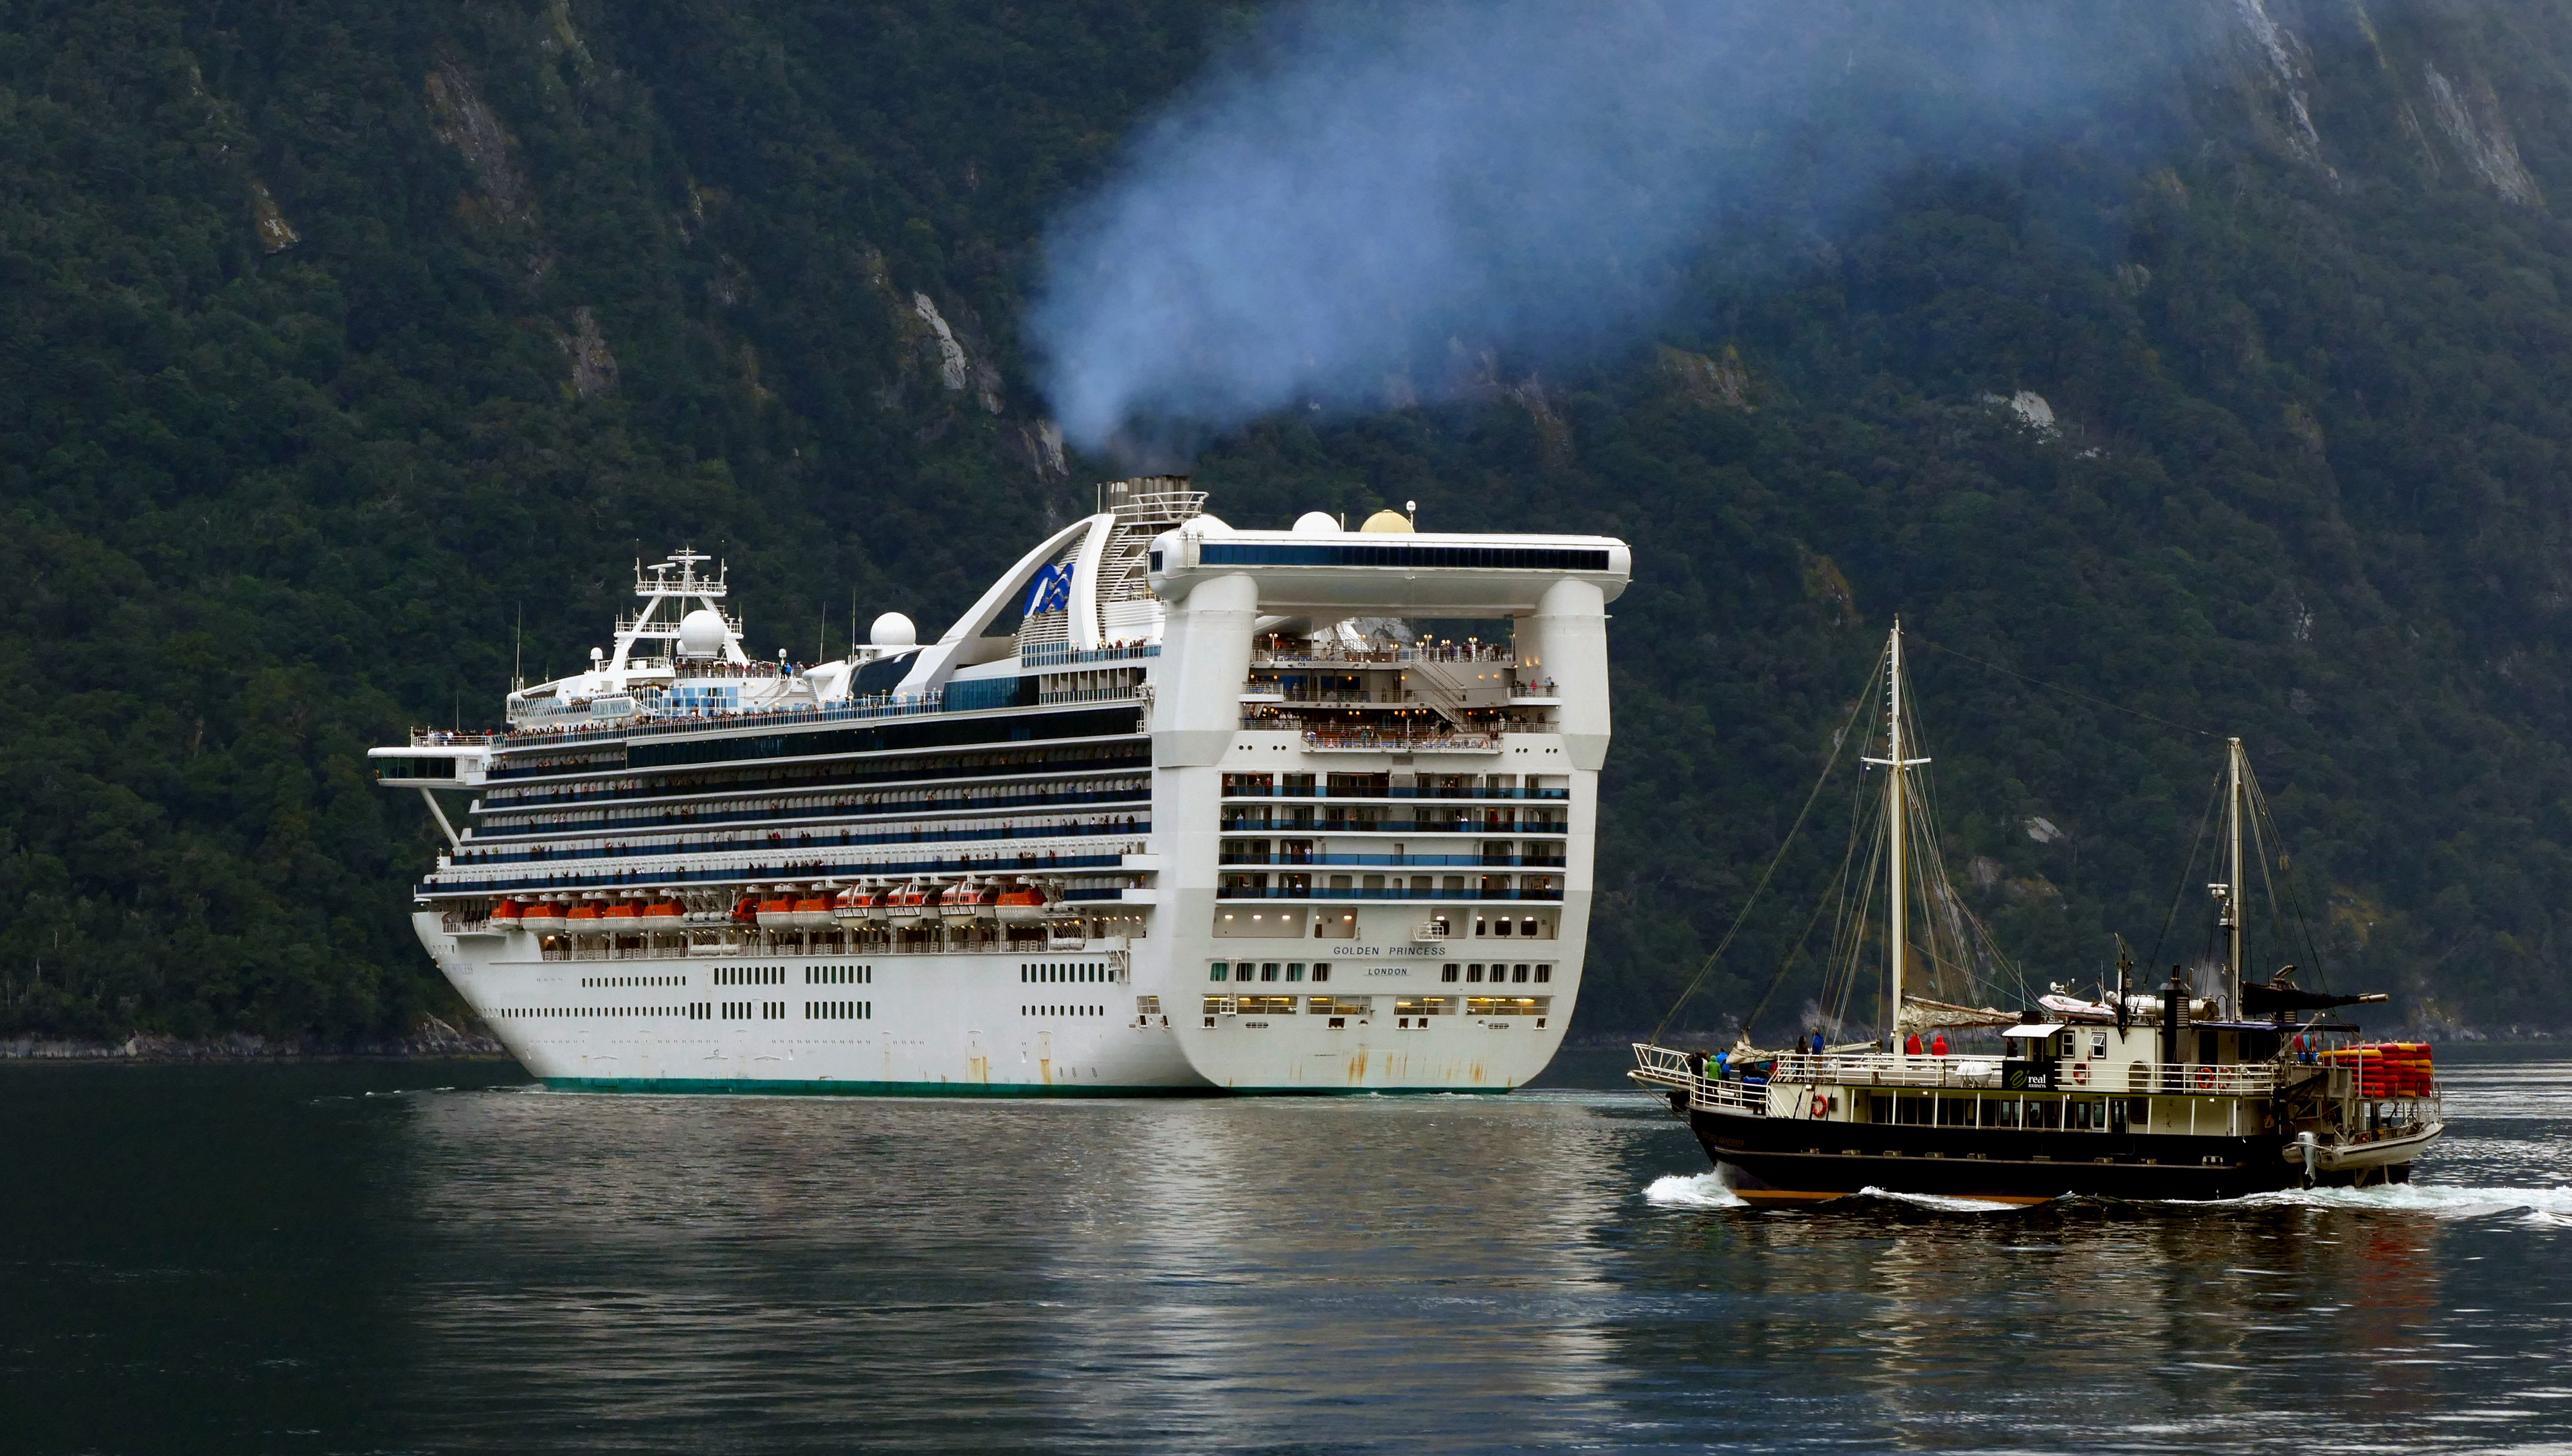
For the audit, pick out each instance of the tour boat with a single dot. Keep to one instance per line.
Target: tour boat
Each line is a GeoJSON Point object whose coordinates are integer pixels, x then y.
{"type": "Point", "coordinates": [2175, 1092]}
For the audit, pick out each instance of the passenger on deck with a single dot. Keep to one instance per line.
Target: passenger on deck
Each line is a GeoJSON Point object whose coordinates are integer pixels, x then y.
{"type": "Point", "coordinates": [1911, 1045]}
{"type": "Point", "coordinates": [1817, 1044]}
{"type": "Point", "coordinates": [1938, 1046]}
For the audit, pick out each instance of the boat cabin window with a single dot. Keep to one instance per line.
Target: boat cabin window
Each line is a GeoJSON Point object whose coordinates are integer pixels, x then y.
{"type": "Point", "coordinates": [2097, 1045]}
{"type": "Point", "coordinates": [1221, 971]}
{"type": "Point", "coordinates": [2042, 1112]}
{"type": "Point", "coordinates": [2001, 1114]}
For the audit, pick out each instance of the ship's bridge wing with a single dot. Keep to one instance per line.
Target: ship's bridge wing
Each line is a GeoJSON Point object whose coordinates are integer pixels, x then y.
{"type": "Point", "coordinates": [433, 760]}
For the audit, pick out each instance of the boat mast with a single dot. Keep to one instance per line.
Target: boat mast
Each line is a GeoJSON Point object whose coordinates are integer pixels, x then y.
{"type": "Point", "coordinates": [1896, 833]}
{"type": "Point", "coordinates": [2236, 765]}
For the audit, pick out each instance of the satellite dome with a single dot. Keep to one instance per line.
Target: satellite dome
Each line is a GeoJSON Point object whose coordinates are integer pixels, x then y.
{"type": "Point", "coordinates": [1384, 523]}
{"type": "Point", "coordinates": [1316, 523]}
{"type": "Point", "coordinates": [894, 630]}
{"type": "Point", "coordinates": [1206, 525]}
{"type": "Point", "coordinates": [702, 634]}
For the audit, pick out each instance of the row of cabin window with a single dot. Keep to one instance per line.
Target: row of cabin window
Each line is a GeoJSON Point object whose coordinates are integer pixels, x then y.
{"type": "Point", "coordinates": [753, 1011]}
{"type": "Point", "coordinates": [839, 1010]}
{"type": "Point", "coordinates": [1474, 971]}
{"type": "Point", "coordinates": [2075, 1114]}
{"type": "Point", "coordinates": [530, 1012]}
{"type": "Point", "coordinates": [603, 981]}
{"type": "Point", "coordinates": [750, 975]}
{"type": "Point", "coordinates": [1062, 1011]}
{"type": "Point", "coordinates": [1086, 971]}
{"type": "Point", "coordinates": [1266, 970]}
{"type": "Point", "coordinates": [839, 975]}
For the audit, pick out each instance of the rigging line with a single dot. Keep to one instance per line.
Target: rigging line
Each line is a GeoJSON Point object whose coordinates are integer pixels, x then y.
{"type": "Point", "coordinates": [2294, 883]}
{"type": "Point", "coordinates": [2069, 692]}
{"type": "Point", "coordinates": [2185, 871]}
{"type": "Point", "coordinates": [1830, 897]}
{"type": "Point", "coordinates": [1838, 743]}
{"type": "Point", "coordinates": [1839, 982]}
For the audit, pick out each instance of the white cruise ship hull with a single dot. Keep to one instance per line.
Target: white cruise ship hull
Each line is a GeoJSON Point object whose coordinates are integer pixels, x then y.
{"type": "Point", "coordinates": [1200, 823]}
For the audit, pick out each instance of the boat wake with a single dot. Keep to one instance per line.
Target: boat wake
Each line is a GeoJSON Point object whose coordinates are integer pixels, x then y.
{"type": "Point", "coordinates": [1942, 1202]}
{"type": "Point", "coordinates": [1698, 1191]}
{"type": "Point", "coordinates": [2551, 1206]}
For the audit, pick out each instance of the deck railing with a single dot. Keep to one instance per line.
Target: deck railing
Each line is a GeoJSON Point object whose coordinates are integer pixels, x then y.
{"type": "Point", "coordinates": [1676, 1071]}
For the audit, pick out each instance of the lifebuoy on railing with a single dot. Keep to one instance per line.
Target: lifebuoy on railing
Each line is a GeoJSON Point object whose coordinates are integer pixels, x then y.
{"type": "Point", "coordinates": [2080, 1071]}
{"type": "Point", "coordinates": [1821, 1105]}
{"type": "Point", "coordinates": [2205, 1079]}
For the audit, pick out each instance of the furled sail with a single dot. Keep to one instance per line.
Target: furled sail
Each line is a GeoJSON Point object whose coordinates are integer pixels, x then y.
{"type": "Point", "coordinates": [1922, 1014]}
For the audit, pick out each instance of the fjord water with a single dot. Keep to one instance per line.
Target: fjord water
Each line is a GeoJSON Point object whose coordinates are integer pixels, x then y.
{"type": "Point", "coordinates": [430, 1257]}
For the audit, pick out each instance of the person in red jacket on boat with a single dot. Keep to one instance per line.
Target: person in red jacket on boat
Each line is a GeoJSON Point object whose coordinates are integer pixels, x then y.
{"type": "Point", "coordinates": [1911, 1045]}
{"type": "Point", "coordinates": [1938, 1046]}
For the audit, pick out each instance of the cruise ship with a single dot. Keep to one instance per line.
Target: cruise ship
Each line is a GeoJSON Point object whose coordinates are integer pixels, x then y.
{"type": "Point", "coordinates": [1175, 807]}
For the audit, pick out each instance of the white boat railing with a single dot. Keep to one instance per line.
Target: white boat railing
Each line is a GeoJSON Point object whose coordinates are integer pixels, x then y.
{"type": "Point", "coordinates": [1678, 1070]}
{"type": "Point", "coordinates": [2068, 1074]}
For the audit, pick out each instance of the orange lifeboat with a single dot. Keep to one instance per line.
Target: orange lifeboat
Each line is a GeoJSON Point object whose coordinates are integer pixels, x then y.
{"type": "Point", "coordinates": [745, 911]}
{"type": "Point", "coordinates": [507, 913]}
{"type": "Point", "coordinates": [543, 917]}
{"type": "Point", "coordinates": [1021, 904]}
{"type": "Point", "coordinates": [777, 911]}
{"type": "Point", "coordinates": [664, 911]}
{"type": "Point", "coordinates": [621, 916]}
{"type": "Point", "coordinates": [589, 917]}
{"type": "Point", "coordinates": [812, 909]}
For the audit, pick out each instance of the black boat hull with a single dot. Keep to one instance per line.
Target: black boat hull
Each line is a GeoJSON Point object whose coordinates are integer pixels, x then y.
{"type": "Point", "coordinates": [1791, 1160]}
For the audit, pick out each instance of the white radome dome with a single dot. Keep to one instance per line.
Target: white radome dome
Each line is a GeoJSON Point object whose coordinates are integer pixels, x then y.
{"type": "Point", "coordinates": [1317, 523]}
{"type": "Point", "coordinates": [1204, 526]}
{"type": "Point", "coordinates": [701, 633]}
{"type": "Point", "coordinates": [894, 630]}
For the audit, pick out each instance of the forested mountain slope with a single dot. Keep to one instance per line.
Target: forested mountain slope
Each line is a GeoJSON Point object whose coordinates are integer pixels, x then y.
{"type": "Point", "coordinates": [337, 335]}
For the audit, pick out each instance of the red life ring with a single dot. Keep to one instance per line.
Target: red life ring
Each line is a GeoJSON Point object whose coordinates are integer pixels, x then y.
{"type": "Point", "coordinates": [1821, 1105]}
{"type": "Point", "coordinates": [2205, 1079]}
{"type": "Point", "coordinates": [2080, 1071]}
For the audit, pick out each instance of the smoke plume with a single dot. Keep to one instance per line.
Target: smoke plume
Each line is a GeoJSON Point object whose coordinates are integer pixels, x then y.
{"type": "Point", "coordinates": [1363, 199]}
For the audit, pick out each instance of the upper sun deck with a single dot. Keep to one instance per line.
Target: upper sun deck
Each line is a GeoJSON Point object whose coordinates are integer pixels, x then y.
{"type": "Point", "coordinates": [1317, 566]}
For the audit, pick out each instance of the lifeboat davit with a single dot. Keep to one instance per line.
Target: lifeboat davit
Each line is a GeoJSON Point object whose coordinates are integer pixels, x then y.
{"type": "Point", "coordinates": [544, 917]}
{"type": "Point", "coordinates": [507, 913]}
{"type": "Point", "coordinates": [848, 906]}
{"type": "Point", "coordinates": [589, 917]}
{"type": "Point", "coordinates": [906, 906]}
{"type": "Point", "coordinates": [1019, 905]}
{"type": "Point", "coordinates": [966, 904]}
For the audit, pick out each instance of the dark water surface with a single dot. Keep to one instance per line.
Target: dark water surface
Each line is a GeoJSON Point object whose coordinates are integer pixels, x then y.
{"type": "Point", "coordinates": [428, 1258]}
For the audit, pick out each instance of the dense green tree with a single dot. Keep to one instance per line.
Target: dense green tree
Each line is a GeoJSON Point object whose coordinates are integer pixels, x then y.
{"type": "Point", "coordinates": [340, 338]}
